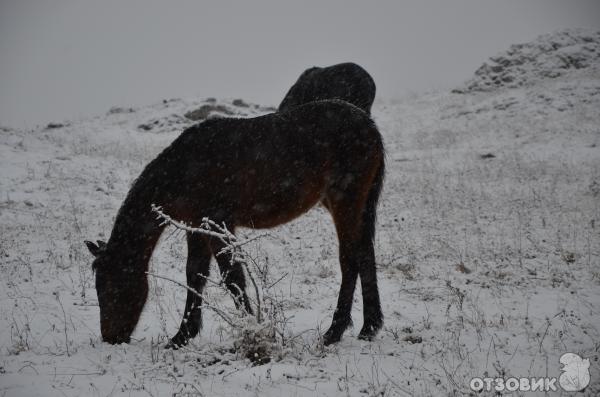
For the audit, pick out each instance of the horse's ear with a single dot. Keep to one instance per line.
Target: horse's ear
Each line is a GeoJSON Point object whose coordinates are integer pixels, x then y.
{"type": "Point", "coordinates": [101, 244]}
{"type": "Point", "coordinates": [94, 249]}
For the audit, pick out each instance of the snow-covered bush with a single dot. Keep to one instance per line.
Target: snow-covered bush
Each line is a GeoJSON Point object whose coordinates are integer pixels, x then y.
{"type": "Point", "coordinates": [259, 337]}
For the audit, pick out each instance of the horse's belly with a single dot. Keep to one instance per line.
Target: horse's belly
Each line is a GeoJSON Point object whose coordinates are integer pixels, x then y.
{"type": "Point", "coordinates": [276, 209]}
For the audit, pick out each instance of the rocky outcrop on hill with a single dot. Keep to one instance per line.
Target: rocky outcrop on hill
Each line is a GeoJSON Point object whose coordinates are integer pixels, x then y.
{"type": "Point", "coordinates": [547, 57]}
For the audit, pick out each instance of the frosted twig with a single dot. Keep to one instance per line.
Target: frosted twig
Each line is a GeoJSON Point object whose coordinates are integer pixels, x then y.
{"type": "Point", "coordinates": [222, 233]}
{"type": "Point", "coordinates": [231, 242]}
{"type": "Point", "coordinates": [167, 220]}
{"type": "Point", "coordinates": [65, 322]}
{"type": "Point", "coordinates": [218, 311]}
{"type": "Point", "coordinates": [255, 342]}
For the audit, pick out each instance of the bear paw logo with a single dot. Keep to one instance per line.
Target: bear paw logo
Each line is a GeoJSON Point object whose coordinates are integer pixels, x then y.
{"type": "Point", "coordinates": [575, 373]}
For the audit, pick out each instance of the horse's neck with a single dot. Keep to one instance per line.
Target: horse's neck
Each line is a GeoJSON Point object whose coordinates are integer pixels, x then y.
{"type": "Point", "coordinates": [134, 237]}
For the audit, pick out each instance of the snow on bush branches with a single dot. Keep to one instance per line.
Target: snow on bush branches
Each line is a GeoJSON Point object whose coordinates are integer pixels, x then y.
{"type": "Point", "coordinates": [258, 337]}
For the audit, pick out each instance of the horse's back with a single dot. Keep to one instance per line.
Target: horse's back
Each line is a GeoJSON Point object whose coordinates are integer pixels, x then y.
{"type": "Point", "coordinates": [307, 152]}
{"type": "Point", "coordinates": [326, 126]}
{"type": "Point", "coordinates": [267, 170]}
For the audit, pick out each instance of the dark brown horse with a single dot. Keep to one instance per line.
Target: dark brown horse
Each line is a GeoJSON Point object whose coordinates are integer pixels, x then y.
{"type": "Point", "coordinates": [259, 172]}
{"type": "Point", "coordinates": [345, 81]}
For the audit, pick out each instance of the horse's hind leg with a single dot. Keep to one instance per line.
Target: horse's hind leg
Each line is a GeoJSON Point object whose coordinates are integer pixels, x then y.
{"type": "Point", "coordinates": [357, 257]}
{"type": "Point", "coordinates": [233, 275]}
{"type": "Point", "coordinates": [373, 317]}
{"type": "Point", "coordinates": [353, 212]}
{"type": "Point", "coordinates": [341, 316]}
{"type": "Point", "coordinates": [197, 270]}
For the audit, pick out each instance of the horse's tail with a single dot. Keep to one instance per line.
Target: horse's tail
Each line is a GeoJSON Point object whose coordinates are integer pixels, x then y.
{"type": "Point", "coordinates": [370, 213]}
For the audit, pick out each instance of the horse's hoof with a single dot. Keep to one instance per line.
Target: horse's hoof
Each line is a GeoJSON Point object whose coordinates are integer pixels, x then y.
{"type": "Point", "coordinates": [176, 342]}
{"type": "Point", "coordinates": [331, 337]}
{"type": "Point", "coordinates": [368, 332]}
{"type": "Point", "coordinates": [172, 345]}
{"type": "Point", "coordinates": [116, 340]}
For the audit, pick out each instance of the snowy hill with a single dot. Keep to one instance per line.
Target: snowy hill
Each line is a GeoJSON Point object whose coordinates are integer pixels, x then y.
{"type": "Point", "coordinates": [487, 245]}
{"type": "Point", "coordinates": [547, 57]}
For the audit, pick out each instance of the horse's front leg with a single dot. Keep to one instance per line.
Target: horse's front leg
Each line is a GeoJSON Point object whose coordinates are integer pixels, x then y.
{"type": "Point", "coordinates": [233, 275]}
{"type": "Point", "coordinates": [197, 270]}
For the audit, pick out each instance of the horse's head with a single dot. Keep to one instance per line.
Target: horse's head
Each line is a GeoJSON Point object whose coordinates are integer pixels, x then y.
{"type": "Point", "coordinates": [121, 292]}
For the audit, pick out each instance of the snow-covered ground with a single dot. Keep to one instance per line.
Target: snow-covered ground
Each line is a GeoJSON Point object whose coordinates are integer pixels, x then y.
{"type": "Point", "coordinates": [488, 251]}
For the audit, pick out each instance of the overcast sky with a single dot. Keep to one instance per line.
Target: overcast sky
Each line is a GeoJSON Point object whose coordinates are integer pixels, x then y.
{"type": "Point", "coordinates": [61, 60]}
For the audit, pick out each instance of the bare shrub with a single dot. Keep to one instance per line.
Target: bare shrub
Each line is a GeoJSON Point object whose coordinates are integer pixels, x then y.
{"type": "Point", "coordinates": [259, 337]}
